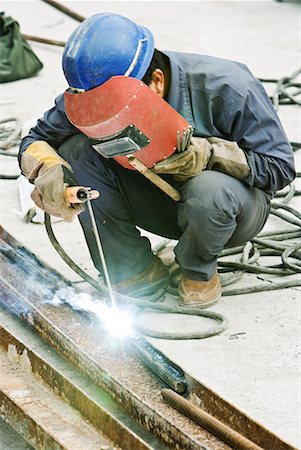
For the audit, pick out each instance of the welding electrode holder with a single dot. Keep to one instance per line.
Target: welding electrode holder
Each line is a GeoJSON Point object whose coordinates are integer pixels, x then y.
{"type": "Point", "coordinates": [80, 194]}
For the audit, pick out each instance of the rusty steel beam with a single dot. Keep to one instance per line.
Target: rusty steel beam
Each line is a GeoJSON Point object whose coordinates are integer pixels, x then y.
{"type": "Point", "coordinates": [71, 385]}
{"type": "Point", "coordinates": [115, 371]}
{"type": "Point", "coordinates": [37, 413]}
{"type": "Point", "coordinates": [25, 425]}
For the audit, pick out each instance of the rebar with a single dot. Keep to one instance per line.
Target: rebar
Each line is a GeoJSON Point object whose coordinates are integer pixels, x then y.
{"type": "Point", "coordinates": [172, 375]}
{"type": "Point", "coordinates": [207, 421]}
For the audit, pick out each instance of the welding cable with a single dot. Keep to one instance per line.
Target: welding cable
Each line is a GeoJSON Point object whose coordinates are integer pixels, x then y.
{"type": "Point", "coordinates": [281, 95]}
{"type": "Point", "coordinates": [214, 330]}
{"type": "Point", "coordinates": [9, 177]}
{"type": "Point", "coordinates": [8, 137]}
{"type": "Point", "coordinates": [287, 196]}
{"type": "Point", "coordinates": [222, 321]}
{"type": "Point", "coordinates": [291, 251]}
{"type": "Point", "coordinates": [97, 284]}
{"type": "Point", "coordinates": [295, 145]}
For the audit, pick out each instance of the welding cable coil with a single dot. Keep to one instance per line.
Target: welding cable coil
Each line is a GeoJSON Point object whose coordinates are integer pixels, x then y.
{"type": "Point", "coordinates": [287, 90]}
{"type": "Point", "coordinates": [265, 244]}
{"type": "Point", "coordinates": [9, 135]}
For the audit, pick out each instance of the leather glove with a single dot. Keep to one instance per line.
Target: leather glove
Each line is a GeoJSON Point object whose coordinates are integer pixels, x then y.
{"type": "Point", "coordinates": [189, 163]}
{"type": "Point", "coordinates": [51, 176]}
{"type": "Point", "coordinates": [228, 158]}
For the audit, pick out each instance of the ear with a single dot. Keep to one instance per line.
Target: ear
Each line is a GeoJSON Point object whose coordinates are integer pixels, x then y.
{"type": "Point", "coordinates": [157, 83]}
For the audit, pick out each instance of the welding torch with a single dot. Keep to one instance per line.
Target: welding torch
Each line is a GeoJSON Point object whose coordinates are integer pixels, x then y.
{"type": "Point", "coordinates": [81, 194]}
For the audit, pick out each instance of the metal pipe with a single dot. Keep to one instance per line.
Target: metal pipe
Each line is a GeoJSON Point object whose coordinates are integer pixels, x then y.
{"type": "Point", "coordinates": [29, 37]}
{"type": "Point", "coordinates": [65, 10]}
{"type": "Point", "coordinates": [207, 421]}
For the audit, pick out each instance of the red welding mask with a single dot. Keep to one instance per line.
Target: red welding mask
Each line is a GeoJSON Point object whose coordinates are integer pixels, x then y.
{"type": "Point", "coordinates": [123, 118]}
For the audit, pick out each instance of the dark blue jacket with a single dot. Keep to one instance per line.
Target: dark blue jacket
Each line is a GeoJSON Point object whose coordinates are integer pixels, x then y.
{"type": "Point", "coordinates": [218, 98]}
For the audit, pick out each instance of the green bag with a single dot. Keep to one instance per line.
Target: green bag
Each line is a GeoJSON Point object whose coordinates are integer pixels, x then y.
{"type": "Point", "coordinates": [17, 59]}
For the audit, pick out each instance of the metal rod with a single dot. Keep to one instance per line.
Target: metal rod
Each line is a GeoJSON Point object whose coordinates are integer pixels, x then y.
{"type": "Point", "coordinates": [101, 253]}
{"type": "Point", "coordinates": [65, 10]}
{"type": "Point", "coordinates": [29, 37]}
{"type": "Point", "coordinates": [207, 421]}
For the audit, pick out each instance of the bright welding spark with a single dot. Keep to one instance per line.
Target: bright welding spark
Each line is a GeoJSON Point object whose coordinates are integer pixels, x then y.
{"type": "Point", "coordinates": [116, 321]}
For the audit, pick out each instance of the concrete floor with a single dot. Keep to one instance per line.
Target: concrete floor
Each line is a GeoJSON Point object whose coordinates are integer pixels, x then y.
{"type": "Point", "coordinates": [255, 363]}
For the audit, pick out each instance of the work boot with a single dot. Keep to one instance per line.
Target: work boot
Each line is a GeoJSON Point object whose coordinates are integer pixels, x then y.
{"type": "Point", "coordinates": [151, 280]}
{"type": "Point", "coordinates": [200, 294]}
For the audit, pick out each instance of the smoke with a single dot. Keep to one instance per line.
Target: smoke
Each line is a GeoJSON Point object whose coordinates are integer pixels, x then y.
{"type": "Point", "coordinates": [115, 320]}
{"type": "Point", "coordinates": [79, 301]}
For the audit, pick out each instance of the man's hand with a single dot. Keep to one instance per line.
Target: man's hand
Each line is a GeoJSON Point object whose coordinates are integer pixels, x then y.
{"type": "Point", "coordinates": [51, 175]}
{"type": "Point", "coordinates": [189, 163]}
{"type": "Point", "coordinates": [228, 158]}
{"type": "Point", "coordinates": [206, 153]}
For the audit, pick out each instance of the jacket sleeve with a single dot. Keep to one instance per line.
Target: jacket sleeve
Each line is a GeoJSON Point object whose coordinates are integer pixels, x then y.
{"type": "Point", "coordinates": [258, 131]}
{"type": "Point", "coordinates": [54, 128]}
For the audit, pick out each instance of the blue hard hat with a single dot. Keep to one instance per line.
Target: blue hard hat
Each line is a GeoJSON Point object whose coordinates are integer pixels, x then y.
{"type": "Point", "coordinates": [106, 45]}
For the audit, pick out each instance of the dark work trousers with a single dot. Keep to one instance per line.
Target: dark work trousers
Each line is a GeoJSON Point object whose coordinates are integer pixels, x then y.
{"type": "Point", "coordinates": [215, 211]}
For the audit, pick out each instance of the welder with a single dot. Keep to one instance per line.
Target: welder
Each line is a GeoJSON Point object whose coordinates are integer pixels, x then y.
{"type": "Point", "coordinates": [238, 157]}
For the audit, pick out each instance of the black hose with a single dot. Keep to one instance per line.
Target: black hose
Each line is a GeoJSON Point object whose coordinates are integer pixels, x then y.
{"type": "Point", "coordinates": [281, 95]}
{"type": "Point", "coordinates": [8, 137]}
{"type": "Point", "coordinates": [9, 177]}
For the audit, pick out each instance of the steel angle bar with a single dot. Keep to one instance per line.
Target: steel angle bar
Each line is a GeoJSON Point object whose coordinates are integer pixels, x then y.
{"type": "Point", "coordinates": [71, 385]}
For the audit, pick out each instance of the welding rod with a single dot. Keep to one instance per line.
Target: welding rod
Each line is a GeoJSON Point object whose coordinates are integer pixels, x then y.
{"type": "Point", "coordinates": [79, 194]}
{"type": "Point", "coordinates": [101, 253]}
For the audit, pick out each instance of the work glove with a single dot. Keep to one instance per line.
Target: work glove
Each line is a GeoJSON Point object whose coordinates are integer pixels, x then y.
{"type": "Point", "coordinates": [189, 163]}
{"type": "Point", "coordinates": [229, 158]}
{"type": "Point", "coordinates": [51, 175]}
{"type": "Point", "coordinates": [206, 153]}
